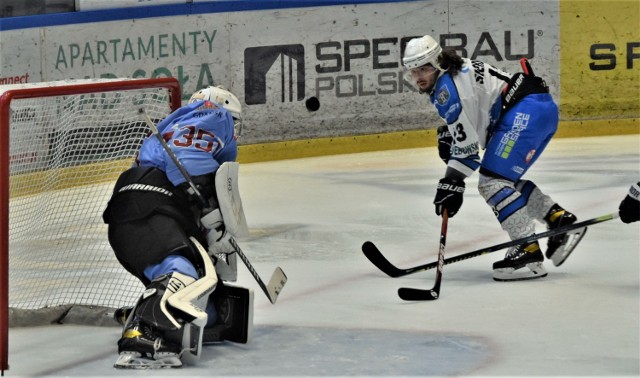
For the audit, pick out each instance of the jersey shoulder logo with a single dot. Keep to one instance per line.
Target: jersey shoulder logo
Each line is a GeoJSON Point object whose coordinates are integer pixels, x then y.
{"type": "Point", "coordinates": [446, 99]}
{"type": "Point", "coordinates": [443, 95]}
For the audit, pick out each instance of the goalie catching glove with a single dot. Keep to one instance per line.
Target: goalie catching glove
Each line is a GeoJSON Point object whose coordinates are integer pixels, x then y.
{"type": "Point", "coordinates": [449, 196]}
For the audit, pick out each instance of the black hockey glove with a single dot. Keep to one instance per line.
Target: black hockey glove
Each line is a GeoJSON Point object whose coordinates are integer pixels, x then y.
{"type": "Point", "coordinates": [449, 196]}
{"type": "Point", "coordinates": [207, 188]}
{"type": "Point", "coordinates": [444, 143]}
{"type": "Point", "coordinates": [630, 206]}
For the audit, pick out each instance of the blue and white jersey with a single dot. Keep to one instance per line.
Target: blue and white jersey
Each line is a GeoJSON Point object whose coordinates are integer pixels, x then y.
{"type": "Point", "coordinates": [201, 135]}
{"type": "Point", "coordinates": [470, 103]}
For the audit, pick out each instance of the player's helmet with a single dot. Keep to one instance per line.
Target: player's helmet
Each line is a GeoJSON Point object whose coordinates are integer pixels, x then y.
{"type": "Point", "coordinates": [224, 98]}
{"type": "Point", "coordinates": [220, 96]}
{"type": "Point", "coordinates": [421, 51]}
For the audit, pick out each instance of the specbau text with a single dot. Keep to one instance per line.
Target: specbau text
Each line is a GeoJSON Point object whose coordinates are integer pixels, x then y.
{"type": "Point", "coordinates": [363, 67]}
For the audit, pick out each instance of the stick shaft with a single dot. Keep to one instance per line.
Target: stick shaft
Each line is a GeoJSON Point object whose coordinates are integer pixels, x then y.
{"type": "Point", "coordinates": [377, 258]}
{"type": "Point", "coordinates": [412, 294]}
{"type": "Point", "coordinates": [174, 158]}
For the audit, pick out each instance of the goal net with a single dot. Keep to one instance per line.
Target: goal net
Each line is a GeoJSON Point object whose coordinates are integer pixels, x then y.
{"type": "Point", "coordinates": [63, 146]}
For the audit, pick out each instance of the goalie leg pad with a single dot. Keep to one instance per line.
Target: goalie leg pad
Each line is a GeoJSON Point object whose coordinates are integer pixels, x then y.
{"type": "Point", "coordinates": [148, 338]}
{"type": "Point", "coordinates": [235, 315]}
{"type": "Point", "coordinates": [192, 303]}
{"type": "Point", "coordinates": [152, 307]}
{"type": "Point", "coordinates": [168, 321]}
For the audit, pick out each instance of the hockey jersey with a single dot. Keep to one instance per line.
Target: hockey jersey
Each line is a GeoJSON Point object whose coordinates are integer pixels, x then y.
{"type": "Point", "coordinates": [201, 135]}
{"type": "Point", "coordinates": [470, 103]}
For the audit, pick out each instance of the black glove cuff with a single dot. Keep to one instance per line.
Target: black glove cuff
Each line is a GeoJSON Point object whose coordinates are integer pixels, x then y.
{"type": "Point", "coordinates": [445, 140]}
{"type": "Point", "coordinates": [206, 186]}
{"type": "Point", "coordinates": [451, 185]}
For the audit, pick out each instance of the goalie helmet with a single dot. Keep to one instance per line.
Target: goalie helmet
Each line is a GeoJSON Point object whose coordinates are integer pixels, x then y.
{"type": "Point", "coordinates": [224, 98]}
{"type": "Point", "coordinates": [421, 51]}
{"type": "Point", "coordinates": [220, 96]}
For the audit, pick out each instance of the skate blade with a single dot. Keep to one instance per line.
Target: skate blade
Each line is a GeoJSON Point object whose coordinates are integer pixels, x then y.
{"type": "Point", "coordinates": [571, 241]}
{"type": "Point", "coordinates": [528, 272]}
{"type": "Point", "coordinates": [134, 360]}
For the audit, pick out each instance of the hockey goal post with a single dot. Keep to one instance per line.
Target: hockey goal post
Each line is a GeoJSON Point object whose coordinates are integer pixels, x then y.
{"type": "Point", "coordinates": [63, 145]}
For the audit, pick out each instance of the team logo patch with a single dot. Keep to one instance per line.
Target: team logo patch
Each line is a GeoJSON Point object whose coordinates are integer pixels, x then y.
{"type": "Point", "coordinates": [530, 156]}
{"type": "Point", "coordinates": [443, 95]}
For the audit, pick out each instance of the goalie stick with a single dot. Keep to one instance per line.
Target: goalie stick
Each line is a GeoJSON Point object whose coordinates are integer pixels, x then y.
{"type": "Point", "coordinates": [278, 278]}
{"type": "Point", "coordinates": [411, 294]}
{"type": "Point", "coordinates": [377, 258]}
{"type": "Point", "coordinates": [154, 130]}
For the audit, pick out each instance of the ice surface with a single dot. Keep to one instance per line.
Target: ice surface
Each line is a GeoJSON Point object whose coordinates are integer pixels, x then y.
{"type": "Point", "coordinates": [339, 316]}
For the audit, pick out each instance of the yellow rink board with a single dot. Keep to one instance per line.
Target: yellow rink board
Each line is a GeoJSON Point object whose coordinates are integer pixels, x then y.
{"type": "Point", "coordinates": [33, 183]}
{"type": "Point", "coordinates": [409, 139]}
{"type": "Point", "coordinates": [599, 59]}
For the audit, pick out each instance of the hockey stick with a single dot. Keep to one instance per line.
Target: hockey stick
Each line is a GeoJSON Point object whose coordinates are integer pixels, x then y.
{"type": "Point", "coordinates": [278, 278]}
{"type": "Point", "coordinates": [377, 258]}
{"type": "Point", "coordinates": [277, 281]}
{"type": "Point", "coordinates": [411, 294]}
{"type": "Point", "coordinates": [154, 130]}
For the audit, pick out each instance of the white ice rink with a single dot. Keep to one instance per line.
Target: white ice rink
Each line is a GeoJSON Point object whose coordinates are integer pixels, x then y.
{"type": "Point", "coordinates": [339, 316]}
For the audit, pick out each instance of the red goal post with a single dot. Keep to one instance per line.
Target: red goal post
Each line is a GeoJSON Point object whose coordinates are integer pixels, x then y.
{"type": "Point", "coordinates": [62, 145]}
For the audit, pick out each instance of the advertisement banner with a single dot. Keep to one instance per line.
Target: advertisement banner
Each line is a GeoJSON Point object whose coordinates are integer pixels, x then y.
{"type": "Point", "coordinates": [301, 73]}
{"type": "Point", "coordinates": [600, 59]}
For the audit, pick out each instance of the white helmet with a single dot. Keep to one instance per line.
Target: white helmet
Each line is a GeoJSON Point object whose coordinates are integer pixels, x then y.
{"type": "Point", "coordinates": [220, 96]}
{"type": "Point", "coordinates": [421, 51]}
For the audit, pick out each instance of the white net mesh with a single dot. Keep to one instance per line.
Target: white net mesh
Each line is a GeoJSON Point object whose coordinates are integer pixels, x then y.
{"type": "Point", "coordinates": [65, 154]}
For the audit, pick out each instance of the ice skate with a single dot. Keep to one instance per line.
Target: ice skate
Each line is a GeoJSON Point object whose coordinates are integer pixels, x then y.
{"type": "Point", "coordinates": [143, 347]}
{"type": "Point", "coordinates": [120, 315]}
{"type": "Point", "coordinates": [523, 262]}
{"type": "Point", "coordinates": [559, 247]}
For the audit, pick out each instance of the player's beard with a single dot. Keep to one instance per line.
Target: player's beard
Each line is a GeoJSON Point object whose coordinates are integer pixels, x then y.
{"type": "Point", "coordinates": [426, 85]}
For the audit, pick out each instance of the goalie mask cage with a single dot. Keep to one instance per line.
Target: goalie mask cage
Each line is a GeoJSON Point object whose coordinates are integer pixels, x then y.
{"type": "Point", "coordinates": [63, 145]}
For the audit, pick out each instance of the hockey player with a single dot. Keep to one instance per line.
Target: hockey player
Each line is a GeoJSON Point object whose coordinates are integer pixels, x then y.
{"type": "Point", "coordinates": [158, 226]}
{"type": "Point", "coordinates": [511, 117]}
{"type": "Point", "coordinates": [629, 208]}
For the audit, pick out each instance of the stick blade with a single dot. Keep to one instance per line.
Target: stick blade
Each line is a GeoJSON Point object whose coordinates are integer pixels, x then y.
{"type": "Point", "coordinates": [374, 255]}
{"type": "Point", "coordinates": [276, 284]}
{"type": "Point", "coordinates": [411, 294]}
